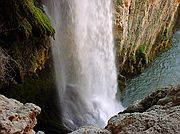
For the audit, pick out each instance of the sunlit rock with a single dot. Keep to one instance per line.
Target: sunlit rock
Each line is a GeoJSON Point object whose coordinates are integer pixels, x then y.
{"type": "Point", "coordinates": [17, 118]}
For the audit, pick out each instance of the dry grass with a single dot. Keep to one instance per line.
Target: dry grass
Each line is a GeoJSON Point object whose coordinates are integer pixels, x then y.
{"type": "Point", "coordinates": [4, 58]}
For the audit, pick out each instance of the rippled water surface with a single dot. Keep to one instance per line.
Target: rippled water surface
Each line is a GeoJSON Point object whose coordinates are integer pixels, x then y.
{"type": "Point", "coordinates": [165, 71]}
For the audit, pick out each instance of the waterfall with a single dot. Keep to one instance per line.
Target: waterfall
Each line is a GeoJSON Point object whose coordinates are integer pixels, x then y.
{"type": "Point", "coordinates": [84, 61]}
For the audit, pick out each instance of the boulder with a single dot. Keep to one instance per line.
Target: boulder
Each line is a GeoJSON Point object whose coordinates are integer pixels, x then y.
{"type": "Point", "coordinates": [158, 113]}
{"type": "Point", "coordinates": [17, 118]}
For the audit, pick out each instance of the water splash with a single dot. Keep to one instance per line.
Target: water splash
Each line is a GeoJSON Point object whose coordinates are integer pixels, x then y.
{"type": "Point", "coordinates": [84, 60]}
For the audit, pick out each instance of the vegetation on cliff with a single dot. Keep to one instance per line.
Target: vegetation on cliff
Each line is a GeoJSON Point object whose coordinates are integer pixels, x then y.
{"type": "Point", "coordinates": [143, 29]}
{"type": "Point", "coordinates": [24, 40]}
{"type": "Point", "coordinates": [24, 35]}
{"type": "Point", "coordinates": [24, 18]}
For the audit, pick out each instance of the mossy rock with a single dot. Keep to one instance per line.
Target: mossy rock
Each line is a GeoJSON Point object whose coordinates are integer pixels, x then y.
{"type": "Point", "coordinates": [25, 18]}
{"type": "Point", "coordinates": [33, 20]}
{"type": "Point", "coordinates": [25, 35]}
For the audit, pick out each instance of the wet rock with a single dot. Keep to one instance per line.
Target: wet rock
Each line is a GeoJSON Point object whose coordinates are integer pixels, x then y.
{"type": "Point", "coordinates": [40, 132]}
{"type": "Point", "coordinates": [17, 118]}
{"type": "Point", "coordinates": [90, 130]}
{"type": "Point", "coordinates": [159, 113]}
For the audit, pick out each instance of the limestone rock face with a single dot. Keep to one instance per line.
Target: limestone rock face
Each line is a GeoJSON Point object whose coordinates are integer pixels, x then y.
{"type": "Point", "coordinates": [143, 28]}
{"type": "Point", "coordinates": [17, 118]}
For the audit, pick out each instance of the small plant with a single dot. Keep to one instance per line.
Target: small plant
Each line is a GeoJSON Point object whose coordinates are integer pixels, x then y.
{"type": "Point", "coordinates": [142, 49]}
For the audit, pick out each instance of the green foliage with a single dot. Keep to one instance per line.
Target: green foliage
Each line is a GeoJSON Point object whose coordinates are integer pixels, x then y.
{"type": "Point", "coordinates": [142, 49]}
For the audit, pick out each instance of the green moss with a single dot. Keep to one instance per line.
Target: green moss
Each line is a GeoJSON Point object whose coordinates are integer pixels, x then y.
{"type": "Point", "coordinates": [142, 49]}
{"type": "Point", "coordinates": [136, 61]}
{"type": "Point", "coordinates": [32, 21]}
{"type": "Point", "coordinates": [142, 55]}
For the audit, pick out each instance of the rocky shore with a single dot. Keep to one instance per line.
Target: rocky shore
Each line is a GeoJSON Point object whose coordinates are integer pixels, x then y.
{"type": "Point", "coordinates": [158, 113]}
{"type": "Point", "coordinates": [17, 118]}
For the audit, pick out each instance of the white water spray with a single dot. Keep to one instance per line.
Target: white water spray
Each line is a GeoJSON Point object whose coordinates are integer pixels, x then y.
{"type": "Point", "coordinates": [84, 61]}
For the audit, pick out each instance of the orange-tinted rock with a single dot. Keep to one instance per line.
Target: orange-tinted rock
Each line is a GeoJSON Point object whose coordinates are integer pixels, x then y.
{"type": "Point", "coordinates": [143, 29]}
{"type": "Point", "coordinates": [17, 118]}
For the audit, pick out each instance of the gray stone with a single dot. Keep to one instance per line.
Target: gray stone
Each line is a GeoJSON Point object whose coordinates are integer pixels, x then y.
{"type": "Point", "coordinates": [40, 132]}
{"type": "Point", "coordinates": [158, 113]}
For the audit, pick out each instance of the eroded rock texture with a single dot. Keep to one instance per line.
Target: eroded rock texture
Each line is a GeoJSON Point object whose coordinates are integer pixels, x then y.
{"type": "Point", "coordinates": [91, 130]}
{"type": "Point", "coordinates": [158, 113]}
{"type": "Point", "coordinates": [143, 28]}
{"type": "Point", "coordinates": [17, 118]}
{"type": "Point", "coordinates": [24, 35]}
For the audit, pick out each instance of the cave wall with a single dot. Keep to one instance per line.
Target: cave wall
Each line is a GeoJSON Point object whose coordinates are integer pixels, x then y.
{"type": "Point", "coordinates": [142, 30]}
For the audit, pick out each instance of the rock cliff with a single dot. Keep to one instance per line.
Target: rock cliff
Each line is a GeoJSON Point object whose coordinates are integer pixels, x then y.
{"type": "Point", "coordinates": [17, 118]}
{"type": "Point", "coordinates": [158, 113]}
{"type": "Point", "coordinates": [143, 29]}
{"type": "Point", "coordinates": [24, 36]}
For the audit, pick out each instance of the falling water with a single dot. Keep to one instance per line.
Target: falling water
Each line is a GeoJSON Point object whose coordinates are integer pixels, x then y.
{"type": "Point", "coordinates": [84, 61]}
